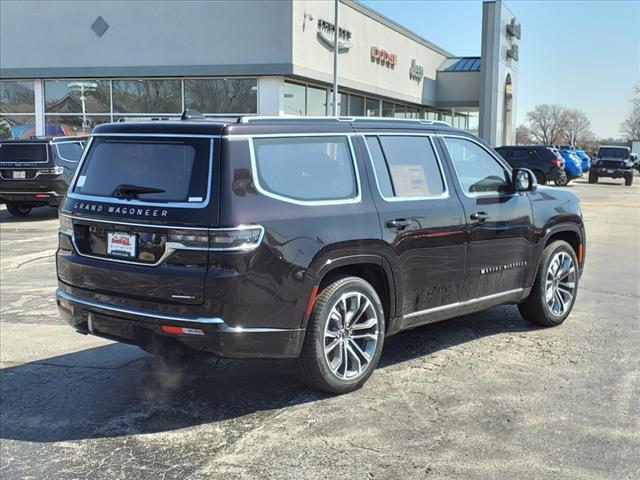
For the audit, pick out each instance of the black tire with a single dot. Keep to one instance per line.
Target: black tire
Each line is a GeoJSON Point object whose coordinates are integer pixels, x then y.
{"type": "Point", "coordinates": [540, 178]}
{"type": "Point", "coordinates": [313, 366]}
{"type": "Point", "coordinates": [593, 178]}
{"type": "Point", "coordinates": [628, 180]}
{"type": "Point", "coordinates": [562, 181]}
{"type": "Point", "coordinates": [17, 209]}
{"type": "Point", "coordinates": [535, 308]}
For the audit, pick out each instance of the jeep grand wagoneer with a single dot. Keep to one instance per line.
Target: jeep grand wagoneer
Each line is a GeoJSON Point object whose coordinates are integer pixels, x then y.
{"type": "Point", "coordinates": [309, 239]}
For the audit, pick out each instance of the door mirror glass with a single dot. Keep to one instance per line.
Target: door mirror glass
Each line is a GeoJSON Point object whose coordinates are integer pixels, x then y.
{"type": "Point", "coordinates": [524, 180]}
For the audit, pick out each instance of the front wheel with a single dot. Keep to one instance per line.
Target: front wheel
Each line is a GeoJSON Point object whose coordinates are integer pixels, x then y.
{"type": "Point", "coordinates": [593, 178]}
{"type": "Point", "coordinates": [17, 209]}
{"type": "Point", "coordinates": [556, 286]}
{"type": "Point", "coordinates": [628, 180]}
{"type": "Point", "coordinates": [344, 337]}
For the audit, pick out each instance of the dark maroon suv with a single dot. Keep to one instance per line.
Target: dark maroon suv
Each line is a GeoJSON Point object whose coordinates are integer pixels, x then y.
{"type": "Point", "coordinates": [308, 239]}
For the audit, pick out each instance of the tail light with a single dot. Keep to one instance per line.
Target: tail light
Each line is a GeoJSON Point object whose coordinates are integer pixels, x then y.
{"type": "Point", "coordinates": [66, 225]}
{"type": "Point", "coordinates": [556, 162]}
{"type": "Point", "coordinates": [51, 171]}
{"type": "Point", "coordinates": [235, 239]}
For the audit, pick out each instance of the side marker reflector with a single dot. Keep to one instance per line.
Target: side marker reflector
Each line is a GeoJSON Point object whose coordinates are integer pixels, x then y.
{"type": "Point", "coordinates": [170, 329]}
{"type": "Point", "coordinates": [580, 254]}
{"type": "Point", "coordinates": [312, 300]}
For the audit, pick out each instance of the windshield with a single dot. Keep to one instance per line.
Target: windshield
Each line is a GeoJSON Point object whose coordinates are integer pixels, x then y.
{"type": "Point", "coordinates": [613, 152]}
{"type": "Point", "coordinates": [150, 170]}
{"type": "Point", "coordinates": [23, 152]}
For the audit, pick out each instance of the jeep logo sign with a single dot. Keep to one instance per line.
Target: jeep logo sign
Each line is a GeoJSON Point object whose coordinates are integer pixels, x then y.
{"type": "Point", "coordinates": [416, 72]}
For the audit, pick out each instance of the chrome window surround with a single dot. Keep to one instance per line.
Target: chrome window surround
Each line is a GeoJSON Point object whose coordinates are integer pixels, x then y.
{"type": "Point", "coordinates": [170, 247]}
{"type": "Point", "coordinates": [11, 192]}
{"type": "Point", "coordinates": [443, 195]}
{"type": "Point", "coordinates": [96, 198]}
{"type": "Point", "coordinates": [60, 155]}
{"type": "Point", "coordinates": [254, 169]}
{"type": "Point", "coordinates": [500, 162]}
{"type": "Point", "coordinates": [463, 303]}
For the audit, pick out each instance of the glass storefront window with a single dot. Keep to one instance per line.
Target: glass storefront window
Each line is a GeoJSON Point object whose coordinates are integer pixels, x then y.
{"type": "Point", "coordinates": [77, 96]}
{"type": "Point", "coordinates": [17, 96]}
{"type": "Point", "coordinates": [147, 96]}
{"type": "Point", "coordinates": [356, 106]}
{"type": "Point", "coordinates": [221, 95]}
{"type": "Point", "coordinates": [294, 99]}
{"type": "Point", "coordinates": [17, 126]}
{"type": "Point", "coordinates": [59, 125]}
{"type": "Point", "coordinates": [316, 101]}
{"type": "Point", "coordinates": [343, 104]}
{"type": "Point", "coordinates": [373, 107]}
{"type": "Point", "coordinates": [387, 109]}
{"type": "Point", "coordinates": [412, 112]}
{"type": "Point", "coordinates": [401, 111]}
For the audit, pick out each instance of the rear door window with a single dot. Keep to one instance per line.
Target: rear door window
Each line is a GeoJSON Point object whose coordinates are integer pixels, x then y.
{"type": "Point", "coordinates": [148, 170]}
{"type": "Point", "coordinates": [406, 165]}
{"type": "Point", "coordinates": [23, 153]}
{"type": "Point", "coordinates": [306, 169]}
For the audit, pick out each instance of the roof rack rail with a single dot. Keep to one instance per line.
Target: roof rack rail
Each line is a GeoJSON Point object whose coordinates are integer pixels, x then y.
{"type": "Point", "coordinates": [191, 114]}
{"type": "Point", "coordinates": [257, 118]}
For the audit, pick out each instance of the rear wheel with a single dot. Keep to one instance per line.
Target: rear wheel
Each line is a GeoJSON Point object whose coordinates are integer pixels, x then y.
{"type": "Point", "coordinates": [556, 286]}
{"type": "Point", "coordinates": [562, 180]}
{"type": "Point", "coordinates": [628, 179]}
{"type": "Point", "coordinates": [344, 337]}
{"type": "Point", "coordinates": [17, 209]}
{"type": "Point", "coordinates": [593, 178]}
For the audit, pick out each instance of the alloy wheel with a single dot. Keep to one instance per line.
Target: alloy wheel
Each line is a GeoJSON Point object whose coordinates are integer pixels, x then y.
{"type": "Point", "coordinates": [351, 335]}
{"type": "Point", "coordinates": [560, 284]}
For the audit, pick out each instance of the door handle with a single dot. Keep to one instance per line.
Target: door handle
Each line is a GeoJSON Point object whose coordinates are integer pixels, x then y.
{"type": "Point", "coordinates": [398, 223]}
{"type": "Point", "coordinates": [479, 216]}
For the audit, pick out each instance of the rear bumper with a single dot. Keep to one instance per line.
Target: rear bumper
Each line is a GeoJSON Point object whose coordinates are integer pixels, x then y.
{"type": "Point", "coordinates": [32, 198]}
{"type": "Point", "coordinates": [575, 174]}
{"type": "Point", "coordinates": [556, 174]}
{"type": "Point", "coordinates": [206, 334]}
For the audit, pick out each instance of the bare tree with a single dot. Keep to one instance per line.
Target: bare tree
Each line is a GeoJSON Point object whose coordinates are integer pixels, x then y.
{"type": "Point", "coordinates": [544, 123]}
{"type": "Point", "coordinates": [630, 128]}
{"type": "Point", "coordinates": [574, 126]}
{"type": "Point", "coordinates": [523, 135]}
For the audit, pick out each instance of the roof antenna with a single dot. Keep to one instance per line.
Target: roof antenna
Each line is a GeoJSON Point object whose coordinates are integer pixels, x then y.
{"type": "Point", "coordinates": [191, 114]}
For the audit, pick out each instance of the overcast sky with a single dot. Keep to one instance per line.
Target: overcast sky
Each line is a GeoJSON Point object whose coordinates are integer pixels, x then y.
{"type": "Point", "coordinates": [582, 54]}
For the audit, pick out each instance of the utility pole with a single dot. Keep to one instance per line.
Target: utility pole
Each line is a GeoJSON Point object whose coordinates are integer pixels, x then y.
{"type": "Point", "coordinates": [335, 61]}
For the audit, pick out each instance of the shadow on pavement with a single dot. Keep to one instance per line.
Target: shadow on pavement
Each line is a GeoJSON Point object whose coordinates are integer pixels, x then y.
{"type": "Point", "coordinates": [114, 390]}
{"type": "Point", "coordinates": [35, 215]}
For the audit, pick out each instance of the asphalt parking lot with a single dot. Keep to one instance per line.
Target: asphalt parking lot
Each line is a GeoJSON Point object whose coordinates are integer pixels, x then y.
{"type": "Point", "coordinates": [481, 396]}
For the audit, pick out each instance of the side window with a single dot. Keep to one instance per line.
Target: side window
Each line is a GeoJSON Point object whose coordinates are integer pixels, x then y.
{"type": "Point", "coordinates": [70, 152]}
{"type": "Point", "coordinates": [306, 168]}
{"type": "Point", "coordinates": [410, 165]}
{"type": "Point", "coordinates": [478, 172]}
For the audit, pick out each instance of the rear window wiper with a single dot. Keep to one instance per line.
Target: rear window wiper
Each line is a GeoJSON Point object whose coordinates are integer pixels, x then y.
{"type": "Point", "coordinates": [132, 191]}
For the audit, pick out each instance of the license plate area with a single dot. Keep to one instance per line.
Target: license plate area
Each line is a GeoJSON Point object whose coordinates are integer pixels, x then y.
{"type": "Point", "coordinates": [609, 170]}
{"type": "Point", "coordinates": [19, 175]}
{"type": "Point", "coordinates": [120, 244]}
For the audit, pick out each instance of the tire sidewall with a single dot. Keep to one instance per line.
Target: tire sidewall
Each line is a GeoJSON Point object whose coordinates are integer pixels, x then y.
{"type": "Point", "coordinates": [320, 319]}
{"type": "Point", "coordinates": [542, 277]}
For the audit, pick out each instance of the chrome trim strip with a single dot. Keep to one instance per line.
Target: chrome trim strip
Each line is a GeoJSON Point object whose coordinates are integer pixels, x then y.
{"type": "Point", "coordinates": [442, 196]}
{"type": "Point", "coordinates": [93, 198]}
{"type": "Point", "coordinates": [156, 135]}
{"type": "Point", "coordinates": [9, 192]}
{"type": "Point", "coordinates": [311, 203]}
{"type": "Point", "coordinates": [131, 224]}
{"type": "Point", "coordinates": [462, 304]}
{"type": "Point", "coordinates": [248, 136]}
{"type": "Point", "coordinates": [60, 155]}
{"type": "Point", "coordinates": [136, 311]}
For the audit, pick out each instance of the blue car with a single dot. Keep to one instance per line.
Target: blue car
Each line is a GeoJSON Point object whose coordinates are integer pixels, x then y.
{"type": "Point", "coordinates": [586, 161]}
{"type": "Point", "coordinates": [572, 164]}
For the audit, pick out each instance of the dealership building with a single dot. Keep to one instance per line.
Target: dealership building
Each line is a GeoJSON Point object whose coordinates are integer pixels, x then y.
{"type": "Point", "coordinates": [66, 66]}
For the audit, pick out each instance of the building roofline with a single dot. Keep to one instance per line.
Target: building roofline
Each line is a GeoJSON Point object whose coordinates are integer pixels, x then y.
{"type": "Point", "coordinates": [374, 15]}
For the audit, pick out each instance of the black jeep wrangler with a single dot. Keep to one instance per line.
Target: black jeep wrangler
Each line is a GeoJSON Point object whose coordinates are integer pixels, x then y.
{"type": "Point", "coordinates": [308, 239]}
{"type": "Point", "coordinates": [37, 172]}
{"type": "Point", "coordinates": [612, 162]}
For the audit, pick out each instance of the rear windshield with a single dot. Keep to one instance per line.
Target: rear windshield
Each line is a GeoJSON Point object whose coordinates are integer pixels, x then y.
{"type": "Point", "coordinates": [23, 152]}
{"type": "Point", "coordinates": [613, 152]}
{"type": "Point", "coordinates": [178, 169]}
{"type": "Point", "coordinates": [547, 154]}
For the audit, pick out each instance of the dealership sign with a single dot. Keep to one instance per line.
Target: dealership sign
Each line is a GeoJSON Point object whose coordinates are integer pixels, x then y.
{"type": "Point", "coordinates": [416, 72]}
{"type": "Point", "coordinates": [384, 57]}
{"type": "Point", "coordinates": [327, 32]}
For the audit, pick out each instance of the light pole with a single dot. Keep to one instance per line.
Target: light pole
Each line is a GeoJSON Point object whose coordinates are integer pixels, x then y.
{"type": "Point", "coordinates": [335, 61]}
{"type": "Point", "coordinates": [83, 88]}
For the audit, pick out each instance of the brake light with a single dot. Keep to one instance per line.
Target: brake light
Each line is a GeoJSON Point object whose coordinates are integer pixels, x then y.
{"type": "Point", "coordinates": [236, 239]}
{"type": "Point", "coordinates": [51, 171]}
{"type": "Point", "coordinates": [556, 162]}
{"type": "Point", "coordinates": [66, 225]}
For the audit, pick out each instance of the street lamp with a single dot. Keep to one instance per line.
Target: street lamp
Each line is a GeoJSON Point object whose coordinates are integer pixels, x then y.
{"type": "Point", "coordinates": [82, 89]}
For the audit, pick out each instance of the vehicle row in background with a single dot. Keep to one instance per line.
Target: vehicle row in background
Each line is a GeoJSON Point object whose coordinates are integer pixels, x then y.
{"type": "Point", "coordinates": [36, 172]}
{"type": "Point", "coordinates": [545, 162]}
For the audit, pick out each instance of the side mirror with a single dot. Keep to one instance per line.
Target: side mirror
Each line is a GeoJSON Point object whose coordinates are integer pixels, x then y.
{"type": "Point", "coordinates": [524, 180]}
